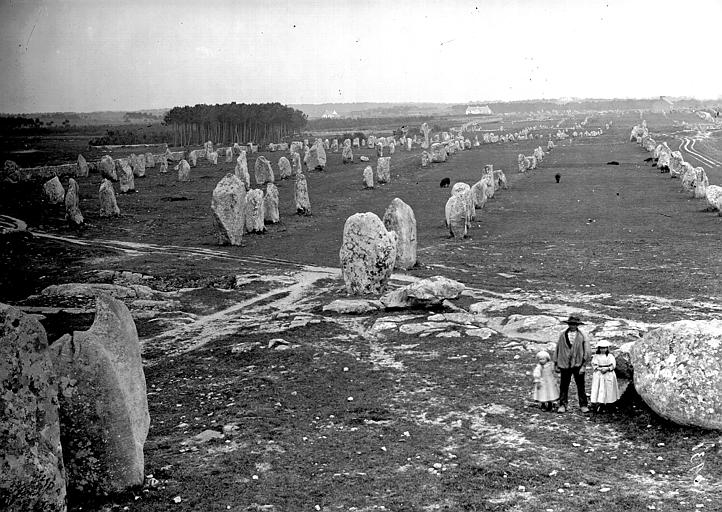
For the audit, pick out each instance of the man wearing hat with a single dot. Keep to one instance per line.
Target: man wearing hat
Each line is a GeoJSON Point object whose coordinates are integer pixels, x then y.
{"type": "Point", "coordinates": [572, 353]}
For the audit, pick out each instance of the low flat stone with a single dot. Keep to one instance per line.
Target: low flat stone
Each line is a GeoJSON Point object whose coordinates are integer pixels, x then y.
{"type": "Point", "coordinates": [449, 334]}
{"type": "Point", "coordinates": [482, 333]}
{"type": "Point", "coordinates": [207, 435]}
{"type": "Point", "coordinates": [353, 306]}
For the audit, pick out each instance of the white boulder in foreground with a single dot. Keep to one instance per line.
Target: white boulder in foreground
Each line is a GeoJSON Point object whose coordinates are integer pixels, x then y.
{"type": "Point", "coordinates": [425, 292]}
{"type": "Point", "coordinates": [678, 372]}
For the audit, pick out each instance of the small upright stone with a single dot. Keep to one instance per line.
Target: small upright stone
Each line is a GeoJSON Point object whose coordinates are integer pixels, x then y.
{"type": "Point", "coordinates": [31, 458]}
{"type": "Point", "coordinates": [82, 167]}
{"type": "Point", "coordinates": [241, 170]}
{"type": "Point", "coordinates": [125, 175]}
{"type": "Point", "coordinates": [347, 155]}
{"type": "Point", "coordinates": [425, 158]}
{"type": "Point", "coordinates": [229, 155]}
{"type": "Point", "coordinates": [367, 255]}
{"type": "Point", "coordinates": [149, 161]}
{"type": "Point", "coordinates": [254, 211]}
{"type": "Point", "coordinates": [107, 168]}
{"type": "Point", "coordinates": [138, 165]}
{"type": "Point", "coordinates": [72, 205]}
{"type": "Point", "coordinates": [296, 166]}
{"type": "Point", "coordinates": [317, 157]}
{"type": "Point", "coordinates": [284, 168]}
{"type": "Point", "coordinates": [163, 164]}
{"type": "Point", "coordinates": [383, 169]}
{"type": "Point", "coordinates": [400, 218]}
{"type": "Point", "coordinates": [334, 145]}
{"type": "Point", "coordinates": [270, 204]}
{"type": "Point", "coordinates": [184, 171]}
{"type": "Point", "coordinates": [54, 191]}
{"type": "Point", "coordinates": [229, 208]}
{"type": "Point", "coordinates": [303, 203]}
{"type": "Point", "coordinates": [108, 203]}
{"type": "Point", "coordinates": [263, 171]}
{"type": "Point", "coordinates": [457, 216]}
{"type": "Point", "coordinates": [368, 177]}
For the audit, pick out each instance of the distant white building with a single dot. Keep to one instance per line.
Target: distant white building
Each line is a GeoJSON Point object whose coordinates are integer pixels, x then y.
{"type": "Point", "coordinates": [478, 110]}
{"type": "Point", "coordinates": [330, 115]}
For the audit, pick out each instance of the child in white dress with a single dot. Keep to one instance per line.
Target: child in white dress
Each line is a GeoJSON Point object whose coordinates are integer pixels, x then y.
{"type": "Point", "coordinates": [604, 381]}
{"type": "Point", "coordinates": [546, 387]}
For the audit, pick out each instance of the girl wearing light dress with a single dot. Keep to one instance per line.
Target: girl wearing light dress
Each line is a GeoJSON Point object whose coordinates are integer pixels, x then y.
{"type": "Point", "coordinates": [604, 380]}
{"type": "Point", "coordinates": [546, 387]}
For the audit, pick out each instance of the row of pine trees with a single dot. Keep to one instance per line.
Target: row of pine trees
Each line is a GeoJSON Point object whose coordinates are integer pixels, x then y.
{"type": "Point", "coordinates": [233, 122]}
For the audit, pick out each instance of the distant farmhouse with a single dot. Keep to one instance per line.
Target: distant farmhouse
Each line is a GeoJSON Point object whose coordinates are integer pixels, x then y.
{"type": "Point", "coordinates": [327, 114]}
{"type": "Point", "coordinates": [478, 110]}
{"type": "Point", "coordinates": [662, 105]}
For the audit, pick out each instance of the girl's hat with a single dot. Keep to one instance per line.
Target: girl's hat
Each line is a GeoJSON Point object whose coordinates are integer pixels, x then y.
{"type": "Point", "coordinates": [603, 344]}
{"type": "Point", "coordinates": [573, 320]}
{"type": "Point", "coordinates": [543, 353]}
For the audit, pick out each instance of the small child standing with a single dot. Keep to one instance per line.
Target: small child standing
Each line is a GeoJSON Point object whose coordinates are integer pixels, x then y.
{"type": "Point", "coordinates": [546, 388]}
{"type": "Point", "coordinates": [604, 381]}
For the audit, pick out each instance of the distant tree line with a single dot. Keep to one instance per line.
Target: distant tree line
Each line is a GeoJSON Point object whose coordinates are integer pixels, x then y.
{"type": "Point", "coordinates": [233, 122]}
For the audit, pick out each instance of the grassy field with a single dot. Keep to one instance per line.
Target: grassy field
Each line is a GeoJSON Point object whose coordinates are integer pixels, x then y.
{"type": "Point", "coordinates": [355, 417]}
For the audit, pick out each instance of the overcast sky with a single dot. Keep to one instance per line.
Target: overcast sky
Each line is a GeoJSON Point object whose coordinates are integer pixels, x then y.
{"type": "Point", "coordinates": [76, 55]}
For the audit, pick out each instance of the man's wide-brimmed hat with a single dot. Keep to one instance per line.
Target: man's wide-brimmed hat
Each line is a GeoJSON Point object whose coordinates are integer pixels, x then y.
{"type": "Point", "coordinates": [603, 344]}
{"type": "Point", "coordinates": [573, 320]}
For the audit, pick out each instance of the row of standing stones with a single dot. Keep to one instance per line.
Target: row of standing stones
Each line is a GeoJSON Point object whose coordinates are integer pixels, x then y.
{"type": "Point", "coordinates": [74, 413]}
{"type": "Point", "coordinates": [694, 180]}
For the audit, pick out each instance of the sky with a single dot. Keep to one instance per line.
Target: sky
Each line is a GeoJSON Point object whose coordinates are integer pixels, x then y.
{"type": "Point", "coordinates": [90, 55]}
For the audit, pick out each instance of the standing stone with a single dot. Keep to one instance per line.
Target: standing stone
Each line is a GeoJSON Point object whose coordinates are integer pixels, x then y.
{"type": "Point", "coordinates": [54, 191]}
{"type": "Point", "coordinates": [303, 203]}
{"type": "Point", "coordinates": [82, 167]}
{"type": "Point", "coordinates": [463, 191]}
{"type": "Point", "coordinates": [184, 171]}
{"type": "Point", "coordinates": [32, 475]}
{"type": "Point", "coordinates": [367, 255]}
{"type": "Point", "coordinates": [229, 208]}
{"type": "Point", "coordinates": [229, 155]}
{"type": "Point", "coordinates": [356, 143]}
{"type": "Point", "coordinates": [347, 155]}
{"type": "Point", "coordinates": [368, 177]}
{"type": "Point", "coordinates": [425, 158]}
{"type": "Point", "coordinates": [138, 165]}
{"type": "Point", "coordinates": [392, 148]}
{"type": "Point", "coordinates": [426, 131]}
{"type": "Point", "coordinates": [456, 216]}
{"type": "Point", "coordinates": [263, 172]}
{"type": "Point", "coordinates": [379, 149]}
{"type": "Point", "coordinates": [163, 164]}
{"type": "Point", "coordinates": [241, 170]}
{"type": "Point", "coordinates": [678, 372]}
{"type": "Point", "coordinates": [296, 164]}
{"type": "Point", "coordinates": [125, 175]}
{"type": "Point", "coordinates": [193, 157]}
{"type": "Point", "coordinates": [212, 157]}
{"type": "Point", "coordinates": [107, 168]}
{"type": "Point", "coordinates": [334, 145]}
{"type": "Point", "coordinates": [409, 142]}
{"type": "Point", "coordinates": [104, 412]}
{"type": "Point", "coordinates": [479, 193]}
{"type": "Point", "coordinates": [72, 204]}
{"type": "Point", "coordinates": [383, 169]}
{"type": "Point", "coordinates": [701, 183]}
{"type": "Point", "coordinates": [270, 204]}
{"type": "Point", "coordinates": [284, 168]}
{"type": "Point", "coordinates": [108, 204]}
{"type": "Point", "coordinates": [254, 211]}
{"type": "Point", "coordinates": [400, 218]}
{"type": "Point", "coordinates": [326, 144]}
{"type": "Point", "coordinates": [149, 161]}
{"type": "Point", "coordinates": [316, 157]}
